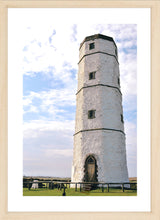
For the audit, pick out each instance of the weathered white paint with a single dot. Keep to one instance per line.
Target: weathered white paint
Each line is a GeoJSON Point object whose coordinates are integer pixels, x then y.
{"type": "Point", "coordinates": [107, 146]}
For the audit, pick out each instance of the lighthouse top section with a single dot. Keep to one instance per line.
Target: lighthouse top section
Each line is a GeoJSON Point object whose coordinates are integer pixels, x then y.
{"type": "Point", "coordinates": [96, 43]}
{"type": "Point", "coordinates": [98, 62]}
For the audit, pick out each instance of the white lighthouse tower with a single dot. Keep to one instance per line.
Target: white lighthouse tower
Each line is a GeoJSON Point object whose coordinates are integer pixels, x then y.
{"type": "Point", "coordinates": [99, 139]}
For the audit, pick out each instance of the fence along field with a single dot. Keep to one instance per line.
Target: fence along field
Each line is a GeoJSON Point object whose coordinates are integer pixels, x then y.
{"type": "Point", "coordinates": [47, 186]}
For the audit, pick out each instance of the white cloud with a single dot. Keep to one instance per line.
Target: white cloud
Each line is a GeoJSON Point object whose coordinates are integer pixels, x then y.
{"type": "Point", "coordinates": [33, 126]}
{"type": "Point", "coordinates": [33, 109]}
{"type": "Point", "coordinates": [27, 101]}
{"type": "Point", "coordinates": [48, 51]}
{"type": "Point", "coordinates": [52, 102]}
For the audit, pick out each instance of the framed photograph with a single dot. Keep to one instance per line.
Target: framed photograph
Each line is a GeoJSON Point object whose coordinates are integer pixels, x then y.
{"type": "Point", "coordinates": [41, 42]}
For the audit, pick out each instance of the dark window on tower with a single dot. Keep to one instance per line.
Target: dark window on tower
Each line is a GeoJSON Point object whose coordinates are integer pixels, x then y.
{"type": "Point", "coordinates": [91, 114]}
{"type": "Point", "coordinates": [116, 51]}
{"type": "Point", "coordinates": [91, 46]}
{"type": "Point", "coordinates": [92, 75]}
{"type": "Point", "coordinates": [118, 81]}
{"type": "Point", "coordinates": [122, 119]}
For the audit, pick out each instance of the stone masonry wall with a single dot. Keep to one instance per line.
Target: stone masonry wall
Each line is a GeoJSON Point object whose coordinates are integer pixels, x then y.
{"type": "Point", "coordinates": [103, 95]}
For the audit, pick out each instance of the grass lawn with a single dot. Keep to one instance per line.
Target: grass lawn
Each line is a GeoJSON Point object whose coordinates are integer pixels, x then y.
{"type": "Point", "coordinates": [72, 192]}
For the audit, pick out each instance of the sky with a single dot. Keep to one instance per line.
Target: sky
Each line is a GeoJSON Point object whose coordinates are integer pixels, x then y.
{"type": "Point", "coordinates": [48, 53]}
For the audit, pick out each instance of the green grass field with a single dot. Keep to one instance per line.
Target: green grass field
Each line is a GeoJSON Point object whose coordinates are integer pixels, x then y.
{"type": "Point", "coordinates": [72, 192]}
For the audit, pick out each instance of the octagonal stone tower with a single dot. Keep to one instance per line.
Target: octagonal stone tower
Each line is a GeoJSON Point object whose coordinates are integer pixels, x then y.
{"type": "Point", "coordinates": [99, 139]}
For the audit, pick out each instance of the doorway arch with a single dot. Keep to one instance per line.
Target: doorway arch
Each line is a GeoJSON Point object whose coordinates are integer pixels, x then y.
{"type": "Point", "coordinates": [90, 169]}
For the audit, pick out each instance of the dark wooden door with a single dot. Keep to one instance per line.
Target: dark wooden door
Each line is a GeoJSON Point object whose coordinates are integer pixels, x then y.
{"type": "Point", "coordinates": [90, 169]}
{"type": "Point", "coordinates": [91, 172]}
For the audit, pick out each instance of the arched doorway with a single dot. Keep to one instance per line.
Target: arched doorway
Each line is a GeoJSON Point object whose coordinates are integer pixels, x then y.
{"type": "Point", "coordinates": [90, 170]}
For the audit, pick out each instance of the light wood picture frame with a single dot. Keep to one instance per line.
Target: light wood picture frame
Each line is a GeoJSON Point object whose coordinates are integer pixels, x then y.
{"type": "Point", "coordinates": [155, 109]}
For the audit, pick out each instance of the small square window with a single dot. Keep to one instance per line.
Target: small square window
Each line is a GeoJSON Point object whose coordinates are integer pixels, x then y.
{"type": "Point", "coordinates": [91, 114]}
{"type": "Point", "coordinates": [92, 75]}
{"type": "Point", "coordinates": [91, 46]}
